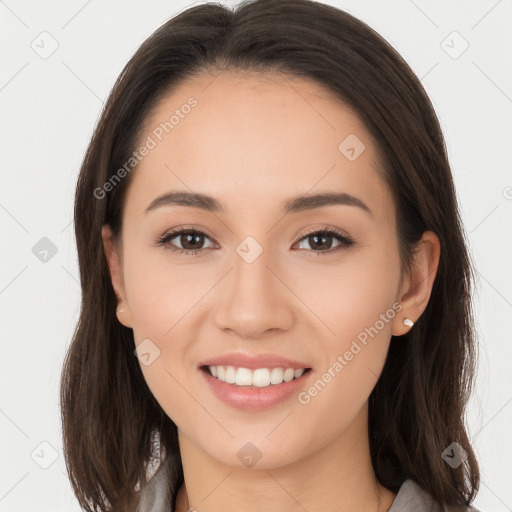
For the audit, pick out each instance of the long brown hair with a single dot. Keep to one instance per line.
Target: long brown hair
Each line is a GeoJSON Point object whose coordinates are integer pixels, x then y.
{"type": "Point", "coordinates": [417, 408]}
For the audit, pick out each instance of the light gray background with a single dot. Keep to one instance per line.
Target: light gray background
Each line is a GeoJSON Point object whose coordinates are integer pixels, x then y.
{"type": "Point", "coordinates": [49, 107]}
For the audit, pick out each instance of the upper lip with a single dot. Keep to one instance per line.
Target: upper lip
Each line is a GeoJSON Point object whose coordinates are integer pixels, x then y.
{"type": "Point", "coordinates": [253, 362]}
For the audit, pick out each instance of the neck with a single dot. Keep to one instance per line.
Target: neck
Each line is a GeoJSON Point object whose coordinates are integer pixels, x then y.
{"type": "Point", "coordinates": [338, 477]}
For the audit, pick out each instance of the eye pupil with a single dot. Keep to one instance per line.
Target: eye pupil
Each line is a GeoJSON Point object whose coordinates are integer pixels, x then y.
{"type": "Point", "coordinates": [190, 237]}
{"type": "Point", "coordinates": [324, 245]}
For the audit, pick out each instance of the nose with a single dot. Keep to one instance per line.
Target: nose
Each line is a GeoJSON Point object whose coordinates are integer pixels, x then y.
{"type": "Point", "coordinates": [253, 299]}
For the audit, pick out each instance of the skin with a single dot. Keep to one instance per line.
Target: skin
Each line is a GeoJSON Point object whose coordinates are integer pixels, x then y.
{"type": "Point", "coordinates": [253, 142]}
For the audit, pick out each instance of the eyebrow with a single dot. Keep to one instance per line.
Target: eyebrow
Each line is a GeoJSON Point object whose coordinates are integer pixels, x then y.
{"type": "Point", "coordinates": [293, 205]}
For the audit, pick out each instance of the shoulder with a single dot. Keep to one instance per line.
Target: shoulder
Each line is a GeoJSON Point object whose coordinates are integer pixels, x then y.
{"type": "Point", "coordinates": [412, 497]}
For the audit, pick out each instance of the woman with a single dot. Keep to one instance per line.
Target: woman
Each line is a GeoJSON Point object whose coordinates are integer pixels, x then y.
{"type": "Point", "coordinates": [276, 289]}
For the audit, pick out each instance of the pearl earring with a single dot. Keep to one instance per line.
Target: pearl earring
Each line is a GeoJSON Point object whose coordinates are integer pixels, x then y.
{"type": "Point", "coordinates": [120, 309]}
{"type": "Point", "coordinates": [408, 322]}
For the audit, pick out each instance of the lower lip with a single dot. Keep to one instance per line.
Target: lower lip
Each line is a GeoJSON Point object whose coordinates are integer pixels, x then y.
{"type": "Point", "coordinates": [249, 398]}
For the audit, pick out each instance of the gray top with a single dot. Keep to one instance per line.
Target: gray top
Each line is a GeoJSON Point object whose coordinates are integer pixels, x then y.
{"type": "Point", "coordinates": [410, 498]}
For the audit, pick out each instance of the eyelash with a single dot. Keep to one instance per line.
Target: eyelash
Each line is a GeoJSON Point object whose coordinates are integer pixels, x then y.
{"type": "Point", "coordinates": [344, 240]}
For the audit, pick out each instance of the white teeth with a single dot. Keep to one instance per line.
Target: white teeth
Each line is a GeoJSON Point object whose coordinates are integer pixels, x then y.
{"type": "Point", "coordinates": [289, 373]}
{"type": "Point", "coordinates": [261, 377]}
{"type": "Point", "coordinates": [230, 375]}
{"type": "Point", "coordinates": [276, 376]}
{"type": "Point", "coordinates": [243, 377]}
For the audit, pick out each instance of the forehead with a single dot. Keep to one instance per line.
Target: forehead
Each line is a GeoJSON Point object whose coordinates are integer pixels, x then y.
{"type": "Point", "coordinates": [248, 138]}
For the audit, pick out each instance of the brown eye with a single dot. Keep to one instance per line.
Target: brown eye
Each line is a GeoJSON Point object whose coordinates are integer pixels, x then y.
{"type": "Point", "coordinates": [189, 241]}
{"type": "Point", "coordinates": [322, 241]}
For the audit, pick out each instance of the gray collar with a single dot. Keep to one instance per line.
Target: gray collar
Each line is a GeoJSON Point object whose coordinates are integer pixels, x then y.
{"type": "Point", "coordinates": [413, 498]}
{"type": "Point", "coordinates": [156, 496]}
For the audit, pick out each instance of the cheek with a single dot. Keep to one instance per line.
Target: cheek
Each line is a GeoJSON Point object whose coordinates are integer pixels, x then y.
{"type": "Point", "coordinates": [160, 292]}
{"type": "Point", "coordinates": [160, 299]}
{"type": "Point", "coordinates": [351, 294]}
{"type": "Point", "coordinates": [357, 311]}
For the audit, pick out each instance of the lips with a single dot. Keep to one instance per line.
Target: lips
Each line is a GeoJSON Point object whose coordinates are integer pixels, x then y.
{"type": "Point", "coordinates": [253, 398]}
{"type": "Point", "coordinates": [253, 361]}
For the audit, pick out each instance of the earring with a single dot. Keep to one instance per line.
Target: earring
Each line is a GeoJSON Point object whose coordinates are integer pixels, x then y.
{"type": "Point", "coordinates": [120, 309]}
{"type": "Point", "coordinates": [408, 322]}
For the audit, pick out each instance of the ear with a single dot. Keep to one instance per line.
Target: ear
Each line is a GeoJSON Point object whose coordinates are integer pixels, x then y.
{"type": "Point", "coordinates": [416, 288]}
{"type": "Point", "coordinates": [112, 253]}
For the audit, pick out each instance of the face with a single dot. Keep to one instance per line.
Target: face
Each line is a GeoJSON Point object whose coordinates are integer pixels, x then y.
{"type": "Point", "coordinates": [317, 284]}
